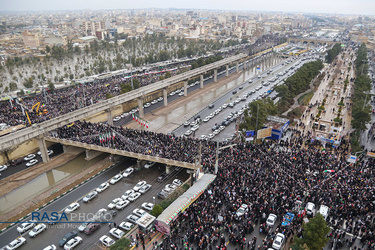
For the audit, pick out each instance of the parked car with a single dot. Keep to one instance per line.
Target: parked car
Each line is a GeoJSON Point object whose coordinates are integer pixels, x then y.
{"type": "Point", "coordinates": [127, 194]}
{"type": "Point", "coordinates": [122, 204]}
{"type": "Point", "coordinates": [73, 243]}
{"type": "Point", "coordinates": [162, 195]}
{"type": "Point", "coordinates": [31, 163]}
{"type": "Point", "coordinates": [117, 233]}
{"type": "Point", "coordinates": [128, 172]}
{"type": "Point", "coordinates": [133, 218]}
{"type": "Point", "coordinates": [177, 182]}
{"type": "Point", "coordinates": [37, 230]}
{"type": "Point", "coordinates": [310, 208]}
{"type": "Point", "coordinates": [72, 207]}
{"type": "Point", "coordinates": [50, 247]}
{"type": "Point", "coordinates": [114, 202]}
{"type": "Point", "coordinates": [16, 243]}
{"type": "Point", "coordinates": [278, 241]}
{"type": "Point", "coordinates": [169, 188]}
{"type": "Point", "coordinates": [115, 179]}
{"type": "Point", "coordinates": [148, 206]}
{"type": "Point", "coordinates": [134, 196]}
{"type": "Point", "coordinates": [108, 215]}
{"type": "Point", "coordinates": [162, 177]}
{"type": "Point", "coordinates": [3, 168]}
{"type": "Point", "coordinates": [29, 157]}
{"type": "Point", "coordinates": [67, 237]}
{"type": "Point", "coordinates": [90, 196]}
{"type": "Point", "coordinates": [25, 226]}
{"type": "Point", "coordinates": [186, 124]}
{"type": "Point", "coordinates": [271, 220]}
{"type": "Point", "coordinates": [106, 241]}
{"type": "Point", "coordinates": [139, 212]}
{"type": "Point", "coordinates": [149, 164]}
{"type": "Point", "coordinates": [139, 185]}
{"type": "Point", "coordinates": [242, 210]}
{"type": "Point", "coordinates": [91, 228]}
{"type": "Point", "coordinates": [126, 225]}
{"type": "Point", "coordinates": [102, 187]}
{"type": "Point", "coordinates": [145, 188]}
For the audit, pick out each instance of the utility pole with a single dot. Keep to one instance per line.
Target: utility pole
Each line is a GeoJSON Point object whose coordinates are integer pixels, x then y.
{"type": "Point", "coordinates": [256, 125]}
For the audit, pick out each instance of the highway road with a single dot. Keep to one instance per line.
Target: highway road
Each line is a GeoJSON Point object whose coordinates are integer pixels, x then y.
{"type": "Point", "coordinates": [55, 232]}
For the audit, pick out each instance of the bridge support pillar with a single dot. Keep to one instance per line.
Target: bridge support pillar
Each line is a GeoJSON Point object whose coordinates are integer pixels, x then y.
{"type": "Point", "coordinates": [236, 66]}
{"type": "Point", "coordinates": [201, 81]}
{"type": "Point", "coordinates": [140, 108]}
{"type": "Point", "coordinates": [91, 154]}
{"type": "Point", "coordinates": [109, 117]}
{"type": "Point", "coordinates": [168, 169]}
{"type": "Point", "coordinates": [215, 75]}
{"type": "Point", "coordinates": [43, 148]}
{"type": "Point", "coordinates": [243, 75]}
{"type": "Point", "coordinates": [227, 70]}
{"type": "Point", "coordinates": [165, 97]}
{"type": "Point", "coordinates": [140, 163]}
{"type": "Point", "coordinates": [185, 88]}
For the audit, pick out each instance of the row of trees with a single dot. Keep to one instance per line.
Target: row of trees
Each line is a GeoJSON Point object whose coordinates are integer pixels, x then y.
{"type": "Point", "coordinates": [362, 84]}
{"type": "Point", "coordinates": [297, 83]}
{"type": "Point", "coordinates": [332, 53]}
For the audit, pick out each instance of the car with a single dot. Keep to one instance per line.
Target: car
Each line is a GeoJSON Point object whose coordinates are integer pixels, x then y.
{"type": "Point", "coordinates": [99, 214]}
{"type": "Point", "coordinates": [210, 136]}
{"type": "Point", "coordinates": [16, 243]}
{"type": "Point", "coordinates": [206, 119]}
{"type": "Point", "coordinates": [50, 247]}
{"type": "Point", "coordinates": [25, 226]}
{"type": "Point", "coordinates": [162, 195]}
{"type": "Point", "coordinates": [145, 188]}
{"type": "Point", "coordinates": [148, 206]}
{"type": "Point", "coordinates": [231, 105]}
{"type": "Point", "coordinates": [241, 87]}
{"type": "Point", "coordinates": [234, 92]}
{"type": "Point", "coordinates": [37, 230]}
{"type": "Point", "coordinates": [90, 196]}
{"type": "Point", "coordinates": [169, 188]}
{"type": "Point", "coordinates": [147, 105]}
{"type": "Point", "coordinates": [194, 123]}
{"type": "Point", "coordinates": [160, 99]}
{"type": "Point", "coordinates": [108, 215]}
{"type": "Point", "coordinates": [203, 137]}
{"type": "Point", "coordinates": [189, 132]}
{"type": "Point", "coordinates": [128, 172]}
{"type": "Point", "coordinates": [195, 128]}
{"type": "Point", "coordinates": [67, 237]}
{"type": "Point", "coordinates": [242, 210]}
{"type": "Point", "coordinates": [72, 207]}
{"type": "Point", "coordinates": [133, 218]}
{"type": "Point", "coordinates": [122, 204]}
{"type": "Point", "coordinates": [114, 202]}
{"type": "Point", "coordinates": [106, 241]}
{"type": "Point", "coordinates": [162, 177]}
{"type": "Point", "coordinates": [115, 179]}
{"type": "Point", "coordinates": [73, 243]}
{"type": "Point", "coordinates": [29, 157]}
{"type": "Point", "coordinates": [278, 241]}
{"type": "Point", "coordinates": [216, 132]}
{"type": "Point", "coordinates": [127, 194]}
{"type": "Point", "coordinates": [116, 119]}
{"type": "Point", "coordinates": [186, 124]}
{"type": "Point", "coordinates": [154, 102]}
{"type": "Point", "coordinates": [126, 225]}
{"type": "Point", "coordinates": [172, 93]}
{"type": "Point", "coordinates": [134, 196]}
{"type": "Point", "coordinates": [92, 227]}
{"type": "Point", "coordinates": [139, 212]}
{"type": "Point", "coordinates": [3, 168]}
{"type": "Point", "coordinates": [31, 163]}
{"type": "Point", "coordinates": [83, 226]}
{"type": "Point", "coordinates": [149, 164]}
{"type": "Point", "coordinates": [310, 208]}
{"type": "Point", "coordinates": [271, 220]}
{"type": "Point", "coordinates": [117, 233]}
{"type": "Point", "coordinates": [221, 128]}
{"type": "Point", "coordinates": [139, 185]}
{"type": "Point", "coordinates": [211, 106]}
{"type": "Point", "coordinates": [181, 93]}
{"type": "Point", "coordinates": [102, 187]}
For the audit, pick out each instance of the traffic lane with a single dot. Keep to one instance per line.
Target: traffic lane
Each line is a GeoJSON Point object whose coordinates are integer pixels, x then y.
{"type": "Point", "coordinates": [71, 197]}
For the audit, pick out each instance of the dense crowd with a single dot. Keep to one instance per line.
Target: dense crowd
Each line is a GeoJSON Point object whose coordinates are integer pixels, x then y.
{"type": "Point", "coordinates": [269, 177]}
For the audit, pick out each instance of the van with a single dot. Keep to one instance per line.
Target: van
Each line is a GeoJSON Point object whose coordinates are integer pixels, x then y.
{"type": "Point", "coordinates": [310, 208]}
{"type": "Point", "coordinates": [324, 210]}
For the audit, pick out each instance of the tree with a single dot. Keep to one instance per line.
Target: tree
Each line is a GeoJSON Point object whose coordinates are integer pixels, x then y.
{"type": "Point", "coordinates": [12, 86]}
{"type": "Point", "coordinates": [121, 244]}
{"type": "Point", "coordinates": [28, 83]}
{"type": "Point", "coordinates": [156, 210]}
{"type": "Point", "coordinates": [168, 74]}
{"type": "Point", "coordinates": [51, 86]}
{"type": "Point", "coordinates": [314, 233]}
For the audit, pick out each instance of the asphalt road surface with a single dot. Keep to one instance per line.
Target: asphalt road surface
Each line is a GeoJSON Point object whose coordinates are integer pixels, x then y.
{"type": "Point", "coordinates": [54, 233]}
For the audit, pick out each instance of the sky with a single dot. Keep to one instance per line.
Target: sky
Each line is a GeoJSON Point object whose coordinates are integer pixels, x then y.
{"type": "Point", "coordinates": [361, 7]}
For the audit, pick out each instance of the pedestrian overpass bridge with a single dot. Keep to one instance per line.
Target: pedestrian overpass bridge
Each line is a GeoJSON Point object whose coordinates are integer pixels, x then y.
{"type": "Point", "coordinates": [92, 147]}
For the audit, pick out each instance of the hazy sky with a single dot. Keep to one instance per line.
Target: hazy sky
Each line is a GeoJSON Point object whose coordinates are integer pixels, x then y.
{"type": "Point", "coordinates": [365, 7]}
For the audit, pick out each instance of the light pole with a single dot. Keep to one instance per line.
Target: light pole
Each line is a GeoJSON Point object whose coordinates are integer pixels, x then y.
{"type": "Point", "coordinates": [153, 197]}
{"type": "Point", "coordinates": [217, 154]}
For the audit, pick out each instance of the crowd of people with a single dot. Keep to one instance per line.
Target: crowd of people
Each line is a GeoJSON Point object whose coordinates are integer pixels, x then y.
{"type": "Point", "coordinates": [268, 177]}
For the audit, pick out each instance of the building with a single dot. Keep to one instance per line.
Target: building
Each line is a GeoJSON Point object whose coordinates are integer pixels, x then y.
{"type": "Point", "coordinates": [278, 125]}
{"type": "Point", "coordinates": [31, 40]}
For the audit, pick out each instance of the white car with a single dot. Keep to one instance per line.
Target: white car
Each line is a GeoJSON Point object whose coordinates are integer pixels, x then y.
{"type": "Point", "coordinates": [114, 202]}
{"type": "Point", "coordinates": [145, 188]}
{"type": "Point", "coordinates": [160, 99]}
{"type": "Point", "coordinates": [148, 206]}
{"type": "Point", "coordinates": [126, 225]}
{"type": "Point", "coordinates": [177, 182]}
{"type": "Point", "coordinates": [72, 243]}
{"type": "Point", "coordinates": [37, 230]}
{"type": "Point", "coordinates": [195, 128]}
{"type": "Point", "coordinates": [102, 187]}
{"type": "Point", "coordinates": [115, 179]}
{"type": "Point", "coordinates": [278, 241]}
{"type": "Point", "coordinates": [3, 167]}
{"type": "Point", "coordinates": [242, 210]}
{"type": "Point", "coordinates": [25, 226]}
{"type": "Point", "coordinates": [187, 133]}
{"type": "Point", "coordinates": [133, 218]}
{"type": "Point", "coordinates": [149, 164]}
{"type": "Point", "coordinates": [117, 233]}
{"type": "Point", "coordinates": [106, 241]}
{"type": "Point", "coordinates": [29, 157]}
{"type": "Point", "coordinates": [50, 247]}
{"type": "Point", "coordinates": [271, 220]}
{"type": "Point", "coordinates": [117, 118]}
{"type": "Point", "coordinates": [90, 196]}
{"type": "Point", "coordinates": [128, 172]}
{"type": "Point", "coordinates": [154, 102]}
{"type": "Point", "coordinates": [71, 208]}
{"type": "Point", "coordinates": [16, 243]}
{"type": "Point", "coordinates": [139, 212]}
{"type": "Point", "coordinates": [100, 213]}
{"type": "Point", "coordinates": [310, 208]}
{"type": "Point", "coordinates": [122, 204]}
{"type": "Point", "coordinates": [147, 105]}
{"type": "Point", "coordinates": [139, 185]}
{"type": "Point", "coordinates": [169, 188]}
{"type": "Point", "coordinates": [32, 163]}
{"type": "Point", "coordinates": [127, 194]}
{"type": "Point", "coordinates": [134, 196]}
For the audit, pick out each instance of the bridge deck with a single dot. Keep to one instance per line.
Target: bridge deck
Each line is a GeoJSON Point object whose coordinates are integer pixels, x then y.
{"type": "Point", "coordinates": [122, 152]}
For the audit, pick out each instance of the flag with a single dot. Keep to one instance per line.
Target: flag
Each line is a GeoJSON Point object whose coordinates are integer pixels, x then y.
{"type": "Point", "coordinates": [146, 124]}
{"type": "Point", "coordinates": [113, 133]}
{"type": "Point", "coordinates": [100, 138]}
{"type": "Point", "coordinates": [133, 117]}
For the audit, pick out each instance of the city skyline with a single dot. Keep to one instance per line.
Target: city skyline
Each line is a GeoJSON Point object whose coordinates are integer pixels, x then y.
{"type": "Point", "coordinates": [361, 7]}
